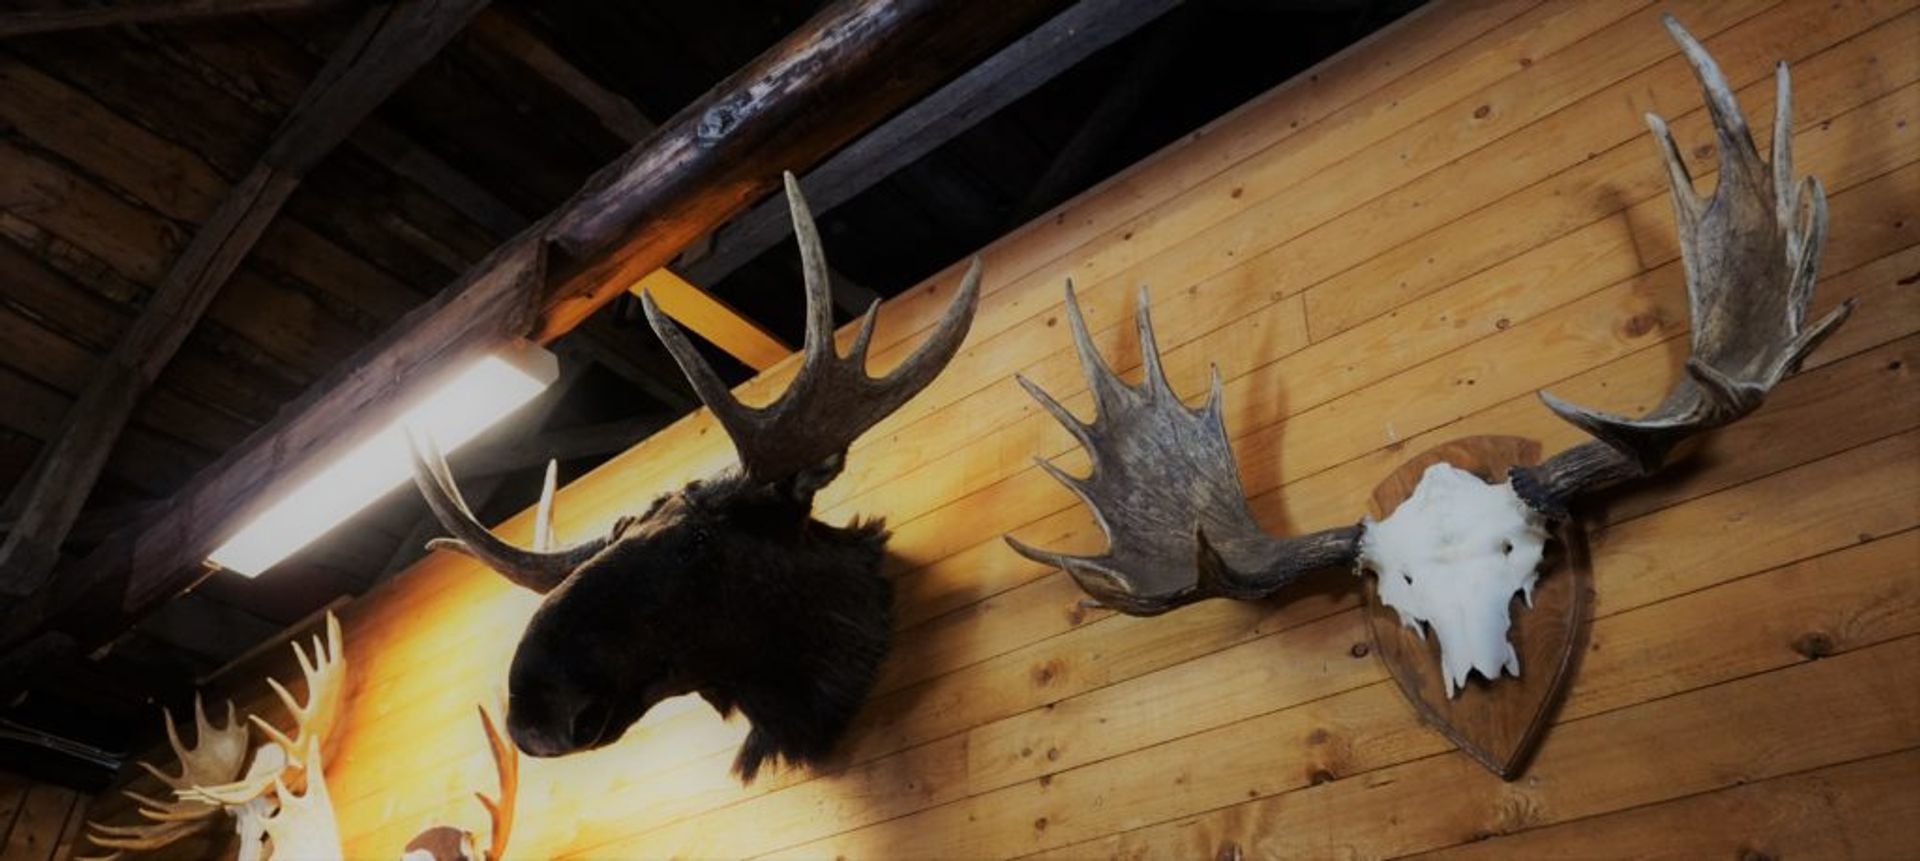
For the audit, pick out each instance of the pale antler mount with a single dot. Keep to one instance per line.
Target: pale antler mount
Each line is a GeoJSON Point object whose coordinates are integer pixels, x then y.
{"type": "Point", "coordinates": [282, 791]}
{"type": "Point", "coordinates": [217, 755]}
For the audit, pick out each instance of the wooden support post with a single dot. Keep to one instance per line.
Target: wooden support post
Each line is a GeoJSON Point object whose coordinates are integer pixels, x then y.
{"type": "Point", "coordinates": [713, 319]}
{"type": "Point", "coordinates": [81, 14]}
{"type": "Point", "coordinates": [389, 44]}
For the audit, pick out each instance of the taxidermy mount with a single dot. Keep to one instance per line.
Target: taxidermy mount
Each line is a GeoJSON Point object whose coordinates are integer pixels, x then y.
{"type": "Point", "coordinates": [1165, 490]}
{"type": "Point", "coordinates": [278, 801]}
{"type": "Point", "coordinates": [728, 587]}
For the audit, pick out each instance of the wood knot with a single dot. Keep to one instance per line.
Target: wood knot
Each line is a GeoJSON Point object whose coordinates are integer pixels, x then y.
{"type": "Point", "coordinates": [1318, 736]}
{"type": "Point", "coordinates": [1814, 645]}
{"type": "Point", "coordinates": [1319, 776]}
{"type": "Point", "coordinates": [1040, 824]}
{"type": "Point", "coordinates": [1360, 650]}
{"type": "Point", "coordinates": [1638, 325]}
{"type": "Point", "coordinates": [1480, 113]}
{"type": "Point", "coordinates": [1053, 754]}
{"type": "Point", "coordinates": [1044, 674]}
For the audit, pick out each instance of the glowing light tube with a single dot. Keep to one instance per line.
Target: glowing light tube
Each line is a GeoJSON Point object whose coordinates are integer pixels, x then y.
{"type": "Point", "coordinates": [471, 400]}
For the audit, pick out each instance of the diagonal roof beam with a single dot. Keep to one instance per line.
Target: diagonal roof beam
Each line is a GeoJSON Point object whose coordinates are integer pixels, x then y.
{"type": "Point", "coordinates": [1019, 69]}
{"type": "Point", "coordinates": [388, 45]}
{"type": "Point", "coordinates": [81, 14]}
{"type": "Point", "coordinates": [851, 65]}
{"type": "Point", "coordinates": [721, 324]}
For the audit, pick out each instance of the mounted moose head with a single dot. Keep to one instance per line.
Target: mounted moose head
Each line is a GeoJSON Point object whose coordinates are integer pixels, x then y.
{"type": "Point", "coordinates": [1166, 493]}
{"type": "Point", "coordinates": [728, 587]}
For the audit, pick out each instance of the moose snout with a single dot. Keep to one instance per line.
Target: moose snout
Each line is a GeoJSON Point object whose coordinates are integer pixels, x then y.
{"type": "Point", "coordinates": [561, 731]}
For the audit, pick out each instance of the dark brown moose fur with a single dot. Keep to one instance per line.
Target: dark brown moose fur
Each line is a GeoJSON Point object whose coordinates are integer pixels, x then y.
{"type": "Point", "coordinates": [726, 588]}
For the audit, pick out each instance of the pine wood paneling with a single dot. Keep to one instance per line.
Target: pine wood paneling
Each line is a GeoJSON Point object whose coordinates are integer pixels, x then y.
{"type": "Point", "coordinates": [37, 820]}
{"type": "Point", "coordinates": [1398, 248]}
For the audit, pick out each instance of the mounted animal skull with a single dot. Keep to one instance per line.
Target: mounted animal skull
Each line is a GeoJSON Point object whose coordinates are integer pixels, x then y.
{"type": "Point", "coordinates": [280, 804]}
{"type": "Point", "coordinates": [1165, 491]}
{"type": "Point", "coordinates": [727, 587]}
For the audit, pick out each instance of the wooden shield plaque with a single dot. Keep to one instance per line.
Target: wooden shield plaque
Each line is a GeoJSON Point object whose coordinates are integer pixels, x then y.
{"type": "Point", "coordinates": [1497, 722]}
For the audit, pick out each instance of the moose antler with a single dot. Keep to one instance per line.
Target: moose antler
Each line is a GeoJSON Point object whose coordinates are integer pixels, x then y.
{"type": "Point", "coordinates": [1165, 491]}
{"type": "Point", "coordinates": [447, 843]}
{"type": "Point", "coordinates": [313, 721]}
{"type": "Point", "coordinates": [539, 568]}
{"type": "Point", "coordinates": [303, 826]}
{"type": "Point", "coordinates": [1750, 252]}
{"type": "Point", "coordinates": [831, 400]}
{"type": "Point", "coordinates": [217, 755]}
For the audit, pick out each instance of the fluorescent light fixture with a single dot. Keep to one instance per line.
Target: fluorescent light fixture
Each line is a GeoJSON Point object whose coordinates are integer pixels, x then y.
{"type": "Point", "coordinates": [470, 400]}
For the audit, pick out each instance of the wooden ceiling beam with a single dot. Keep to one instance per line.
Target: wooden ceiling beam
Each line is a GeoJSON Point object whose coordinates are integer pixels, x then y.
{"type": "Point", "coordinates": [1074, 163]}
{"type": "Point", "coordinates": [721, 324]}
{"type": "Point", "coordinates": [1019, 69]}
{"type": "Point", "coordinates": [82, 14]}
{"type": "Point", "coordinates": [502, 32]}
{"type": "Point", "coordinates": [388, 45]}
{"type": "Point", "coordinates": [853, 64]}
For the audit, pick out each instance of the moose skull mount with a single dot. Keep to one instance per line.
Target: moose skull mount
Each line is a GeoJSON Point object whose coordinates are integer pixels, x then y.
{"type": "Point", "coordinates": [279, 805]}
{"type": "Point", "coordinates": [1166, 493]}
{"type": "Point", "coordinates": [726, 587]}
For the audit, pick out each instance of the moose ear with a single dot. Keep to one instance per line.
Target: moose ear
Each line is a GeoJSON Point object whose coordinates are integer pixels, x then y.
{"type": "Point", "coordinates": [805, 483]}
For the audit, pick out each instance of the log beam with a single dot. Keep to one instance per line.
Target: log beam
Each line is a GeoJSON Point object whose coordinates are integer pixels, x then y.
{"type": "Point", "coordinates": [802, 99]}
{"type": "Point", "coordinates": [721, 324]}
{"type": "Point", "coordinates": [1020, 68]}
{"type": "Point", "coordinates": [82, 14]}
{"type": "Point", "coordinates": [386, 47]}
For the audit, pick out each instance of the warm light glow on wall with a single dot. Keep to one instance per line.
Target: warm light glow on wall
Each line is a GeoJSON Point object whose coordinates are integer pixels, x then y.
{"type": "Point", "coordinates": [471, 400]}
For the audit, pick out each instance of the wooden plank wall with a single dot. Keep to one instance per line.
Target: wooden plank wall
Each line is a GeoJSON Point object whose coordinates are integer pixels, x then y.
{"type": "Point", "coordinates": [38, 821]}
{"type": "Point", "coordinates": [1396, 249]}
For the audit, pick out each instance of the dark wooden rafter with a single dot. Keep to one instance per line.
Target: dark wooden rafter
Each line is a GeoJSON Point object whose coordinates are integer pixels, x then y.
{"type": "Point", "coordinates": [1074, 163]}
{"type": "Point", "coordinates": [801, 100]}
{"type": "Point", "coordinates": [720, 323]}
{"type": "Point", "coordinates": [81, 14]}
{"type": "Point", "coordinates": [1019, 69]}
{"type": "Point", "coordinates": [383, 50]}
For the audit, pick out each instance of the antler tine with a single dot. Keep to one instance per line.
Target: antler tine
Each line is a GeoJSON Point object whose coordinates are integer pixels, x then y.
{"type": "Point", "coordinates": [831, 400]}
{"type": "Point", "coordinates": [814, 276]}
{"type": "Point", "coordinates": [1751, 252]}
{"type": "Point", "coordinates": [506, 761]}
{"type": "Point", "coordinates": [1167, 496]}
{"type": "Point", "coordinates": [141, 837]}
{"type": "Point", "coordinates": [1106, 385]}
{"type": "Point", "coordinates": [539, 570]}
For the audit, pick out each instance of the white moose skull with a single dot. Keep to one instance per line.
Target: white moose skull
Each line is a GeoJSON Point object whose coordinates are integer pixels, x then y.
{"type": "Point", "coordinates": [1451, 556]}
